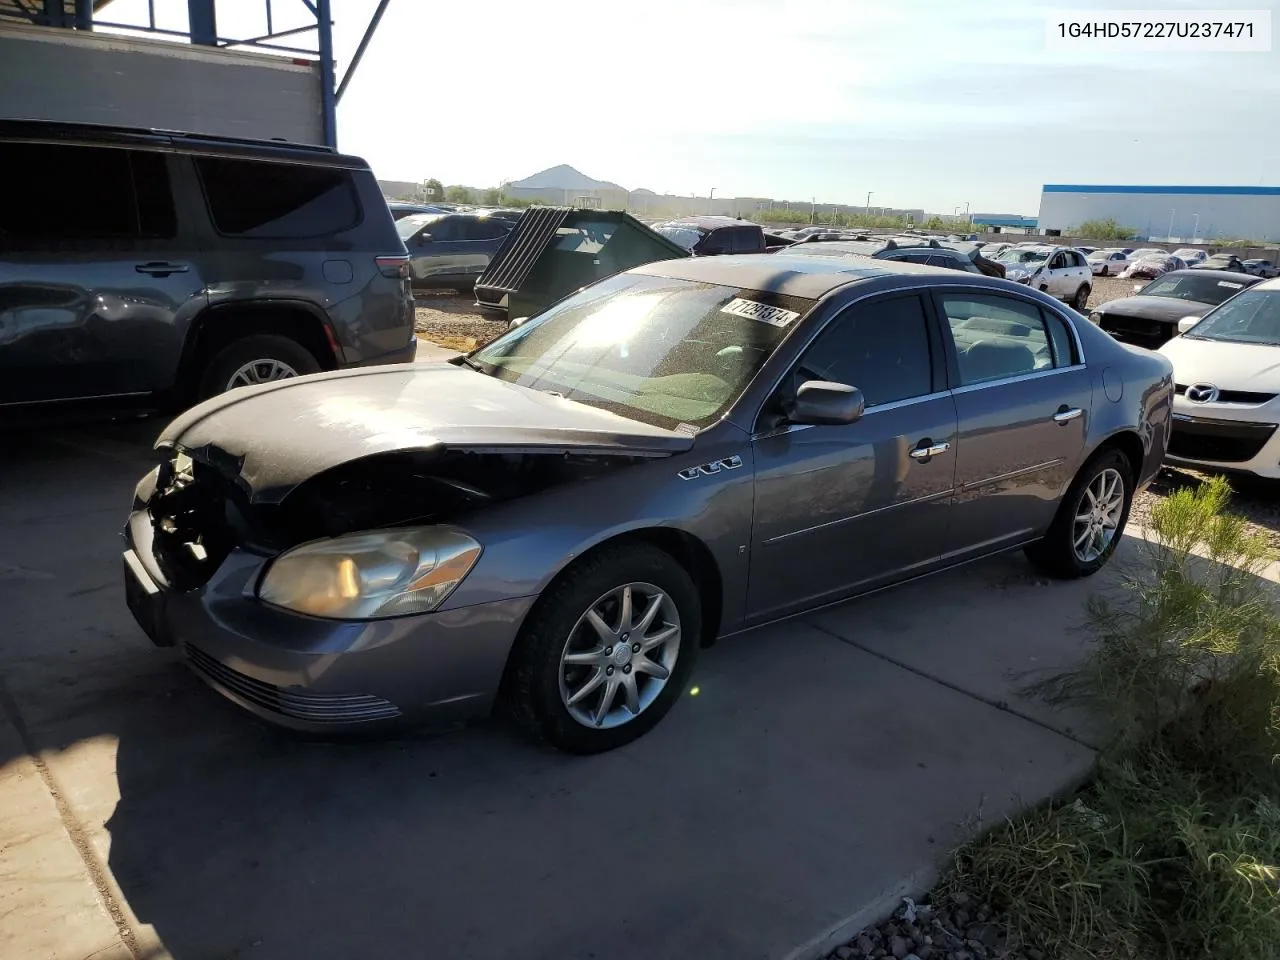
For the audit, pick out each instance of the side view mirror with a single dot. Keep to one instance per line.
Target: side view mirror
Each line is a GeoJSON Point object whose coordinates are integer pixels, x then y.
{"type": "Point", "coordinates": [1186, 323]}
{"type": "Point", "coordinates": [423, 238]}
{"type": "Point", "coordinates": [824, 402]}
{"type": "Point", "coordinates": [516, 322]}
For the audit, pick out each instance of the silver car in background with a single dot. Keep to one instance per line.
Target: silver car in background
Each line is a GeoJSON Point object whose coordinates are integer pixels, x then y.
{"type": "Point", "coordinates": [678, 453]}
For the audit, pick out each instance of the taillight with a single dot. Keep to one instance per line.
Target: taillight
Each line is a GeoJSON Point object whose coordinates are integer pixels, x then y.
{"type": "Point", "coordinates": [397, 266]}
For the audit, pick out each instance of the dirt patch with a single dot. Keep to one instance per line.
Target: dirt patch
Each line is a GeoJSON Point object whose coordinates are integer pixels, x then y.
{"type": "Point", "coordinates": [452, 320]}
{"type": "Point", "coordinates": [1106, 289]}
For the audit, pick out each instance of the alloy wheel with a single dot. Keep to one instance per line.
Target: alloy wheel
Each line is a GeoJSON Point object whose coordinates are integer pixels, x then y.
{"type": "Point", "coordinates": [619, 655]}
{"type": "Point", "coordinates": [260, 371]}
{"type": "Point", "coordinates": [1098, 515]}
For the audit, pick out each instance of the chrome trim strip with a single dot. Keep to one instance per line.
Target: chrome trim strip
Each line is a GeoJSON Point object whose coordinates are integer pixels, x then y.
{"type": "Point", "coordinates": [858, 516]}
{"type": "Point", "coordinates": [1022, 471]}
{"type": "Point", "coordinates": [82, 399]}
{"type": "Point", "coordinates": [1039, 374]}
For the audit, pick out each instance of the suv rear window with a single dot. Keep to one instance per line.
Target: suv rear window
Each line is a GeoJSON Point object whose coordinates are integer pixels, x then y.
{"type": "Point", "coordinates": [74, 194]}
{"type": "Point", "coordinates": [282, 201]}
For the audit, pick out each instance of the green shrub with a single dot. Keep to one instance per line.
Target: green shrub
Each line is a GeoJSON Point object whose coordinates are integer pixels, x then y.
{"type": "Point", "coordinates": [1174, 850]}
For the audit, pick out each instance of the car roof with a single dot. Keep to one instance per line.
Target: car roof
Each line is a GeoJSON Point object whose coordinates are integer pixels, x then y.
{"type": "Point", "coordinates": [791, 274]}
{"type": "Point", "coordinates": [708, 222]}
{"type": "Point", "coordinates": [58, 131]}
{"type": "Point", "coordinates": [1233, 275]}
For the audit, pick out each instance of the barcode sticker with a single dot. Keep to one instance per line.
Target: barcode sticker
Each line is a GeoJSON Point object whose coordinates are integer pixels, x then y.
{"type": "Point", "coordinates": [775, 316]}
{"type": "Point", "coordinates": [1228, 283]}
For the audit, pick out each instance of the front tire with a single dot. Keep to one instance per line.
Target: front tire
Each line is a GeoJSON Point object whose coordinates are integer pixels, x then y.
{"type": "Point", "coordinates": [1106, 271]}
{"type": "Point", "coordinates": [1081, 299]}
{"type": "Point", "coordinates": [607, 649]}
{"type": "Point", "coordinates": [1090, 521]}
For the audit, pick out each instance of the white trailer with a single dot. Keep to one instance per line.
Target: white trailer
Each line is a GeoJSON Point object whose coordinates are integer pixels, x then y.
{"type": "Point", "coordinates": [88, 77]}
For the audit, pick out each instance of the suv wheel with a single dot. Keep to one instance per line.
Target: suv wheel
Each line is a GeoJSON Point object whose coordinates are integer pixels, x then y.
{"type": "Point", "coordinates": [258, 359]}
{"type": "Point", "coordinates": [1081, 299]}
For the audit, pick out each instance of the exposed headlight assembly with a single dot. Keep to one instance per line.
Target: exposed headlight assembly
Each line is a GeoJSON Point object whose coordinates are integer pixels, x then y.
{"type": "Point", "coordinates": [1095, 318]}
{"type": "Point", "coordinates": [372, 575]}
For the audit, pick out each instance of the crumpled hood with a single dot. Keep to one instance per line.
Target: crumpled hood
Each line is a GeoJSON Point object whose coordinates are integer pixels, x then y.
{"type": "Point", "coordinates": [273, 437]}
{"type": "Point", "coordinates": [1228, 366]}
{"type": "Point", "coordinates": [1164, 309]}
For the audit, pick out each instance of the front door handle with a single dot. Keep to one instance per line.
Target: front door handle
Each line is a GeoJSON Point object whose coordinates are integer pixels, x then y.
{"type": "Point", "coordinates": [1066, 414]}
{"type": "Point", "coordinates": [926, 449]}
{"type": "Point", "coordinates": [161, 268]}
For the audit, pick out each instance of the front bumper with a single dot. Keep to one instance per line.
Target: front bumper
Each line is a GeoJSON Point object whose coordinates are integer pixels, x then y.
{"type": "Point", "coordinates": [320, 675]}
{"type": "Point", "coordinates": [1226, 437]}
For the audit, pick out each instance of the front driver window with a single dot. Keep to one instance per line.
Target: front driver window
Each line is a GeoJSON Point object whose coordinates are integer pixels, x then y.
{"type": "Point", "coordinates": [882, 348]}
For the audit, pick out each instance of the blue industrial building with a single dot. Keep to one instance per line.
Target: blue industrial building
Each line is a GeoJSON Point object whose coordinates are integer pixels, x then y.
{"type": "Point", "coordinates": [1175, 213]}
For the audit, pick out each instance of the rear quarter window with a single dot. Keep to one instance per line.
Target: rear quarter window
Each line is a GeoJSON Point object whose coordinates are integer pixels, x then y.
{"type": "Point", "coordinates": [283, 201]}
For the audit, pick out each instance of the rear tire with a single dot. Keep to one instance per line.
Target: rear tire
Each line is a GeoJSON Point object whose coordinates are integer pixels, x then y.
{"type": "Point", "coordinates": [1081, 299]}
{"type": "Point", "coordinates": [257, 359]}
{"type": "Point", "coordinates": [541, 681]}
{"type": "Point", "coordinates": [1106, 271]}
{"type": "Point", "coordinates": [1059, 553]}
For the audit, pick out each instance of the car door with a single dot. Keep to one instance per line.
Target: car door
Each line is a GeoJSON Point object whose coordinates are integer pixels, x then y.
{"type": "Point", "coordinates": [850, 506]}
{"type": "Point", "coordinates": [481, 238]}
{"type": "Point", "coordinates": [437, 251]}
{"type": "Point", "coordinates": [96, 275]}
{"type": "Point", "coordinates": [1052, 279]}
{"type": "Point", "coordinates": [1023, 400]}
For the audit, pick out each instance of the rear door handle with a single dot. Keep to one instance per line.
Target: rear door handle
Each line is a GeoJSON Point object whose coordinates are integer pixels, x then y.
{"type": "Point", "coordinates": [1066, 414]}
{"type": "Point", "coordinates": [161, 268]}
{"type": "Point", "coordinates": [925, 449]}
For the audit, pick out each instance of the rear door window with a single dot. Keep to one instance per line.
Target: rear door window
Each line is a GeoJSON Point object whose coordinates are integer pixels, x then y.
{"type": "Point", "coordinates": [81, 195]}
{"type": "Point", "coordinates": [998, 337]}
{"type": "Point", "coordinates": [485, 229]}
{"type": "Point", "coordinates": [285, 201]}
{"type": "Point", "coordinates": [747, 240]}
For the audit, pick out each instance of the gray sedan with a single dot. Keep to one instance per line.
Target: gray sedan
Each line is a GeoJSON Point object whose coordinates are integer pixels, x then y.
{"type": "Point", "coordinates": [675, 454]}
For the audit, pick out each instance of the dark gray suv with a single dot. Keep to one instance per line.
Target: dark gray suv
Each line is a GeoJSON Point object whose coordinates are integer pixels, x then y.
{"type": "Point", "coordinates": [160, 268]}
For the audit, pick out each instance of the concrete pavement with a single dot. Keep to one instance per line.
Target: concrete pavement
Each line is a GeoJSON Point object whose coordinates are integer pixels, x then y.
{"type": "Point", "coordinates": [824, 766]}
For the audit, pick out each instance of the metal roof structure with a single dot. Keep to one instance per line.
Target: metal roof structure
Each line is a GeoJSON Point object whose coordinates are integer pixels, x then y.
{"type": "Point", "coordinates": [1222, 191]}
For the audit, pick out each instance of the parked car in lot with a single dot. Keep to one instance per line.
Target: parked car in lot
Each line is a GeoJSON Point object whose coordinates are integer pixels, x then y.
{"type": "Point", "coordinates": [1150, 267]}
{"type": "Point", "coordinates": [904, 249]}
{"type": "Point", "coordinates": [1141, 252]}
{"type": "Point", "coordinates": [1190, 255]}
{"type": "Point", "coordinates": [451, 249]}
{"type": "Point", "coordinates": [1057, 271]}
{"type": "Point", "coordinates": [1151, 318]}
{"type": "Point", "coordinates": [1260, 268]}
{"type": "Point", "coordinates": [152, 268]}
{"type": "Point", "coordinates": [1226, 367]}
{"type": "Point", "coordinates": [567, 514]}
{"type": "Point", "coordinates": [1221, 261]}
{"type": "Point", "coordinates": [1105, 263]}
{"type": "Point", "coordinates": [714, 236]}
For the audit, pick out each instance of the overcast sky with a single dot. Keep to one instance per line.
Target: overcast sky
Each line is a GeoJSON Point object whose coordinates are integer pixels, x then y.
{"type": "Point", "coordinates": [926, 103]}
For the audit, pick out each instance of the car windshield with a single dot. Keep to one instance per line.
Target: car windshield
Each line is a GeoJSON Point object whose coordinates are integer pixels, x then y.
{"type": "Point", "coordinates": [1252, 317]}
{"type": "Point", "coordinates": [408, 226]}
{"type": "Point", "coordinates": [1023, 256]}
{"type": "Point", "coordinates": [1186, 254]}
{"type": "Point", "coordinates": [663, 351]}
{"type": "Point", "coordinates": [684, 234]}
{"type": "Point", "coordinates": [1188, 286]}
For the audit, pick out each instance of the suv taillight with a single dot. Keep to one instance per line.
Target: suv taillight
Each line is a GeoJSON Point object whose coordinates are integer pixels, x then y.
{"type": "Point", "coordinates": [397, 266]}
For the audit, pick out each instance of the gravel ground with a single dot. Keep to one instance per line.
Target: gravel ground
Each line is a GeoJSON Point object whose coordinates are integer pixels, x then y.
{"type": "Point", "coordinates": [959, 930]}
{"type": "Point", "coordinates": [1106, 289]}
{"type": "Point", "coordinates": [1258, 501]}
{"type": "Point", "coordinates": [450, 319]}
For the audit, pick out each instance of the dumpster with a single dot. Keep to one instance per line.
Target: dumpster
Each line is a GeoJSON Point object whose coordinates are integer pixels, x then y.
{"type": "Point", "coordinates": [554, 251]}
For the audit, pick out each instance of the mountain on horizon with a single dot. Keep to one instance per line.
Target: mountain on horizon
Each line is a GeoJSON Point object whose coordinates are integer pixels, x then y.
{"type": "Point", "coordinates": [563, 177]}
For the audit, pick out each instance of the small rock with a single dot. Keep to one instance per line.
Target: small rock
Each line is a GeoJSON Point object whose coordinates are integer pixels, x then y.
{"type": "Point", "coordinates": [911, 932]}
{"type": "Point", "coordinates": [962, 955]}
{"type": "Point", "coordinates": [962, 919]}
{"type": "Point", "coordinates": [864, 944]}
{"type": "Point", "coordinates": [898, 947]}
{"type": "Point", "coordinates": [844, 953]}
{"type": "Point", "coordinates": [925, 952]}
{"type": "Point", "coordinates": [979, 950]}
{"type": "Point", "coordinates": [961, 899]}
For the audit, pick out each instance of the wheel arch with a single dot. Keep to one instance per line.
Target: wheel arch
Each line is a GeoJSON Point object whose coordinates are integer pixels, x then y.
{"type": "Point", "coordinates": [1129, 444]}
{"type": "Point", "coordinates": [220, 325]}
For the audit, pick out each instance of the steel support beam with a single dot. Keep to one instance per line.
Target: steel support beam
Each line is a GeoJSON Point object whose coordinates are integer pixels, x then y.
{"type": "Point", "coordinates": [203, 23]}
{"type": "Point", "coordinates": [328, 100]}
{"type": "Point", "coordinates": [364, 42]}
{"type": "Point", "coordinates": [84, 14]}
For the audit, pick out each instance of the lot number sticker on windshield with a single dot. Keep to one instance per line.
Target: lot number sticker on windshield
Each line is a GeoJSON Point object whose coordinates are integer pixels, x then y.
{"type": "Point", "coordinates": [1228, 283]}
{"type": "Point", "coordinates": [775, 316]}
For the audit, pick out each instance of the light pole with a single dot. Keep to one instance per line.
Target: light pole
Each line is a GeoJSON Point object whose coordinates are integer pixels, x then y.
{"type": "Point", "coordinates": [1169, 235]}
{"type": "Point", "coordinates": [710, 197]}
{"type": "Point", "coordinates": [967, 214]}
{"type": "Point", "coordinates": [813, 210]}
{"type": "Point", "coordinates": [1195, 229]}
{"type": "Point", "coordinates": [868, 203]}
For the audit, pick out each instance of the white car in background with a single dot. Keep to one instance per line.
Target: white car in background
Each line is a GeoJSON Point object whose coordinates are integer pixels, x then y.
{"type": "Point", "coordinates": [1106, 263]}
{"type": "Point", "coordinates": [1058, 271]}
{"type": "Point", "coordinates": [1190, 255]}
{"type": "Point", "coordinates": [1226, 371]}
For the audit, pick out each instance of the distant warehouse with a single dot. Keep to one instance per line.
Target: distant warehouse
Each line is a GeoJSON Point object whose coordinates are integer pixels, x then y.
{"type": "Point", "coordinates": [1185, 214]}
